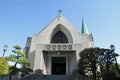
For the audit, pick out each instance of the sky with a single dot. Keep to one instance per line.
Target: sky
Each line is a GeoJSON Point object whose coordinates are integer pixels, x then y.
{"type": "Point", "coordinates": [20, 19]}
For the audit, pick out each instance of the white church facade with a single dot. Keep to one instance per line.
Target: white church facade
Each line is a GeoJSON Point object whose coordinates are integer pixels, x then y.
{"type": "Point", "coordinates": [55, 49]}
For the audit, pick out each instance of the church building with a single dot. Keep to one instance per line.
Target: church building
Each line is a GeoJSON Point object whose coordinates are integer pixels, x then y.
{"type": "Point", "coordinates": [55, 49]}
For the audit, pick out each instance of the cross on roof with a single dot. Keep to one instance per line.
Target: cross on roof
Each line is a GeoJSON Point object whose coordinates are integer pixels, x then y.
{"type": "Point", "coordinates": [60, 12]}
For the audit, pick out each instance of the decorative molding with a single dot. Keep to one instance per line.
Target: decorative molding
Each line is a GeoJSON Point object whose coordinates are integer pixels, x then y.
{"type": "Point", "coordinates": [58, 47]}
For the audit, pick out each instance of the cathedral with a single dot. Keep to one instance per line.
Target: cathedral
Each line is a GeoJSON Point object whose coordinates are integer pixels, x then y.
{"type": "Point", "coordinates": [55, 49]}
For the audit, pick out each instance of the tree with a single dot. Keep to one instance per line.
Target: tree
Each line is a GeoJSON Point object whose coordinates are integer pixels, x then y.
{"type": "Point", "coordinates": [108, 62]}
{"type": "Point", "coordinates": [92, 58]}
{"type": "Point", "coordinates": [107, 58]}
{"type": "Point", "coordinates": [114, 68]}
{"type": "Point", "coordinates": [88, 62]}
{"type": "Point", "coordinates": [4, 67]}
{"type": "Point", "coordinates": [18, 57]}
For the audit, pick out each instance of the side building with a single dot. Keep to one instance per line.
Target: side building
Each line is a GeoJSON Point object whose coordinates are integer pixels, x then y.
{"type": "Point", "coordinates": [55, 50]}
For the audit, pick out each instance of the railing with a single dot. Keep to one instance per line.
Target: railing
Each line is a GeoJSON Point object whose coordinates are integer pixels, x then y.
{"type": "Point", "coordinates": [81, 77]}
{"type": "Point", "coordinates": [32, 77]}
{"type": "Point", "coordinates": [38, 75]}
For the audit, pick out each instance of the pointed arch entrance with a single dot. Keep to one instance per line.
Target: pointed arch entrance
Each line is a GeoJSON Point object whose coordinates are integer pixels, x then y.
{"type": "Point", "coordinates": [60, 37]}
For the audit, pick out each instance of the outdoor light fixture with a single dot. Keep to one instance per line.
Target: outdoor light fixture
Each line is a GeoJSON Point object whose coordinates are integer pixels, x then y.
{"type": "Point", "coordinates": [112, 47]}
{"type": "Point", "coordinates": [4, 49]}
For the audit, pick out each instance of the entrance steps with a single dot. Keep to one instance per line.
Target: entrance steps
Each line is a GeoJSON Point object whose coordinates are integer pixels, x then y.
{"type": "Point", "coordinates": [58, 77]}
{"type": "Point", "coordinates": [54, 77]}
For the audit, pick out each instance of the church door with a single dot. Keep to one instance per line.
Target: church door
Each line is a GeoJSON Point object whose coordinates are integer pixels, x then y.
{"type": "Point", "coordinates": [59, 65]}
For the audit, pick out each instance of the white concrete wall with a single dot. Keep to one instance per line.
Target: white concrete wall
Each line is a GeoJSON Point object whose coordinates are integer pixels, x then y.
{"type": "Point", "coordinates": [78, 40]}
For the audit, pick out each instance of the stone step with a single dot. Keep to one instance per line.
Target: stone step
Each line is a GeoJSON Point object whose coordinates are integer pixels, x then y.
{"type": "Point", "coordinates": [58, 77]}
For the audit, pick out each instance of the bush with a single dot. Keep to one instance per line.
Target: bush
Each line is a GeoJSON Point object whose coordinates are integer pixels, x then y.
{"type": "Point", "coordinates": [4, 67]}
{"type": "Point", "coordinates": [109, 75]}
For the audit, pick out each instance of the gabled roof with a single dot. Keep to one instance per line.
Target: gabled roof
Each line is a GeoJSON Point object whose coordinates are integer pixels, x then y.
{"type": "Point", "coordinates": [60, 19]}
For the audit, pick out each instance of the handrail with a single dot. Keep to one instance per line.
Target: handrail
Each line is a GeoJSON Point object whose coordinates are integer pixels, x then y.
{"type": "Point", "coordinates": [33, 77]}
{"type": "Point", "coordinates": [81, 77]}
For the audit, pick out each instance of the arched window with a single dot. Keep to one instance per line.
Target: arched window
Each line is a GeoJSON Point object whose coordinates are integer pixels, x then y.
{"type": "Point", "coordinates": [59, 37]}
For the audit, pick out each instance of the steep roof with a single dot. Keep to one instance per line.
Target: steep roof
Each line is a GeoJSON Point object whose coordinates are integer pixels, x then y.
{"type": "Point", "coordinates": [60, 23]}
{"type": "Point", "coordinates": [60, 19]}
{"type": "Point", "coordinates": [84, 27]}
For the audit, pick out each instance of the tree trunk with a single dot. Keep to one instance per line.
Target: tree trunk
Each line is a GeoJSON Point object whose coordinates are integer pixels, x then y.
{"type": "Point", "coordinates": [10, 77]}
{"type": "Point", "coordinates": [94, 72]}
{"type": "Point", "coordinates": [107, 67]}
{"type": "Point", "coordinates": [94, 75]}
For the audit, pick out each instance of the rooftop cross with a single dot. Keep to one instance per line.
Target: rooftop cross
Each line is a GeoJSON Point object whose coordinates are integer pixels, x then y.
{"type": "Point", "coordinates": [60, 12]}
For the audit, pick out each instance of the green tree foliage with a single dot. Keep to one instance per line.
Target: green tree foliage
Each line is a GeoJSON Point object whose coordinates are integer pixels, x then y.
{"type": "Point", "coordinates": [114, 69]}
{"type": "Point", "coordinates": [109, 75]}
{"type": "Point", "coordinates": [107, 58]}
{"type": "Point", "coordinates": [4, 67]}
{"type": "Point", "coordinates": [109, 66]}
{"type": "Point", "coordinates": [91, 58]}
{"type": "Point", "coordinates": [88, 61]}
{"type": "Point", "coordinates": [18, 57]}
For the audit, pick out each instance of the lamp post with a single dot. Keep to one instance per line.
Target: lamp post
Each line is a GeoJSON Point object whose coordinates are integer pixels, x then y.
{"type": "Point", "coordinates": [112, 48]}
{"type": "Point", "coordinates": [4, 49]}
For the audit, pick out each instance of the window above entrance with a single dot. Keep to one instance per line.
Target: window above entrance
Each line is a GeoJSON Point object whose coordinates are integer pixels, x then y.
{"type": "Point", "coordinates": [59, 37]}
